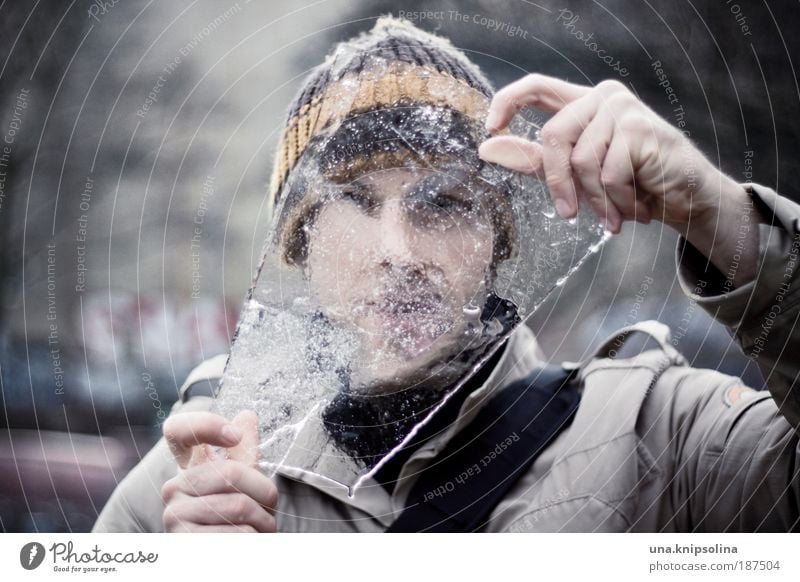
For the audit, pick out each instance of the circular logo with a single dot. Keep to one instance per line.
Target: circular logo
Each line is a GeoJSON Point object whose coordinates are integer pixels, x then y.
{"type": "Point", "coordinates": [31, 555]}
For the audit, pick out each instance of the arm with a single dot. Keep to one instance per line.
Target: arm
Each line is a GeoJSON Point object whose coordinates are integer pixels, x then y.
{"type": "Point", "coordinates": [731, 454]}
{"type": "Point", "coordinates": [605, 146]}
{"type": "Point", "coordinates": [740, 455]}
{"type": "Point", "coordinates": [136, 505]}
{"type": "Point", "coordinates": [180, 485]}
{"type": "Point", "coordinates": [728, 459]}
{"type": "Point", "coordinates": [213, 493]}
{"type": "Point", "coordinates": [735, 462]}
{"type": "Point", "coordinates": [762, 314]}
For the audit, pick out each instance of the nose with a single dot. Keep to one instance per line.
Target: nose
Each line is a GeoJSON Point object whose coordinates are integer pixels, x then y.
{"type": "Point", "coordinates": [397, 239]}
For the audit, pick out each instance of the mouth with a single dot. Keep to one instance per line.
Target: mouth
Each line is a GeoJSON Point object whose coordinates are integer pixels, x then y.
{"type": "Point", "coordinates": [395, 306]}
{"type": "Point", "coordinates": [409, 326]}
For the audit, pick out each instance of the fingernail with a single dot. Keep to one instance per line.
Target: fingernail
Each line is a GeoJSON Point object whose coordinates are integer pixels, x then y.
{"type": "Point", "coordinates": [564, 210]}
{"type": "Point", "coordinates": [610, 226]}
{"type": "Point", "coordinates": [491, 120]}
{"type": "Point", "coordinates": [231, 434]}
{"type": "Point", "coordinates": [482, 152]}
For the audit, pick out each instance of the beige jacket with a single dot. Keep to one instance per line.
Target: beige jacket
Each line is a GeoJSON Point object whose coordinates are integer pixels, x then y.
{"type": "Point", "coordinates": [656, 445]}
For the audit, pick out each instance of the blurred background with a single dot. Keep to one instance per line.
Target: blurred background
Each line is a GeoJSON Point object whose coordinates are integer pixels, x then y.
{"type": "Point", "coordinates": [137, 140]}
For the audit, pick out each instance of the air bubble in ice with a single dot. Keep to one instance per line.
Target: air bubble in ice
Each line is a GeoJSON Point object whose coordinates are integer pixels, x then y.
{"type": "Point", "coordinates": [471, 310]}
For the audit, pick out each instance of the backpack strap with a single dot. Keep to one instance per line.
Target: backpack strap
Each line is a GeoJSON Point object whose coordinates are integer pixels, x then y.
{"type": "Point", "coordinates": [654, 329]}
{"type": "Point", "coordinates": [481, 463]}
{"type": "Point", "coordinates": [204, 379]}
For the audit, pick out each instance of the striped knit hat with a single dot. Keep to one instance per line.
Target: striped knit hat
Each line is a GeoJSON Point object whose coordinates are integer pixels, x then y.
{"type": "Point", "coordinates": [379, 98]}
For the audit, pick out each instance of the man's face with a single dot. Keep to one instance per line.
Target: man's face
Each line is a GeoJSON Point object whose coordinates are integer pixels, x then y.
{"type": "Point", "coordinates": [401, 256]}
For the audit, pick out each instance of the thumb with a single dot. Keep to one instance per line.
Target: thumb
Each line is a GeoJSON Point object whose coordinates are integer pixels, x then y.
{"type": "Point", "coordinates": [246, 450]}
{"type": "Point", "coordinates": [513, 152]}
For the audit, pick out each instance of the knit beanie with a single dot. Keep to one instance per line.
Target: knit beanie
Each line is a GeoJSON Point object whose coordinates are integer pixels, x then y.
{"type": "Point", "coordinates": [395, 96]}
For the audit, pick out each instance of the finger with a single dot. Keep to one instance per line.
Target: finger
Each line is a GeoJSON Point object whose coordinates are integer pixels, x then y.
{"type": "Point", "coordinates": [202, 454]}
{"type": "Point", "coordinates": [222, 476]}
{"type": "Point", "coordinates": [643, 212]}
{"type": "Point", "coordinates": [184, 431]}
{"type": "Point", "coordinates": [513, 152]}
{"type": "Point", "coordinates": [587, 160]}
{"type": "Point", "coordinates": [219, 509]}
{"type": "Point", "coordinates": [605, 209]}
{"type": "Point", "coordinates": [562, 133]}
{"type": "Point", "coordinates": [556, 161]}
{"type": "Point", "coordinates": [540, 91]}
{"type": "Point", "coordinates": [617, 177]}
{"type": "Point", "coordinates": [247, 449]}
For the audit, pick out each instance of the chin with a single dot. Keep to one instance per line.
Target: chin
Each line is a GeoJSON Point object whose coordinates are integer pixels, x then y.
{"type": "Point", "coordinates": [390, 366]}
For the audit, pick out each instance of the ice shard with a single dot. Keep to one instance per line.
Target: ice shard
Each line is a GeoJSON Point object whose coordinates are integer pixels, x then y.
{"type": "Point", "coordinates": [397, 263]}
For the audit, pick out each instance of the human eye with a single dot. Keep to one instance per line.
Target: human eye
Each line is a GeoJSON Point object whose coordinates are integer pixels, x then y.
{"type": "Point", "coordinates": [440, 200]}
{"type": "Point", "coordinates": [452, 203]}
{"type": "Point", "coordinates": [359, 195]}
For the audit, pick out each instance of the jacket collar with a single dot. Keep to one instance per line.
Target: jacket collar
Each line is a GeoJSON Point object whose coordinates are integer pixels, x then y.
{"type": "Point", "coordinates": [314, 459]}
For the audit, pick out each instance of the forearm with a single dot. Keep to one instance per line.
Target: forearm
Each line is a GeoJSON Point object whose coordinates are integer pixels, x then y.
{"type": "Point", "coordinates": [763, 312]}
{"type": "Point", "coordinates": [727, 234]}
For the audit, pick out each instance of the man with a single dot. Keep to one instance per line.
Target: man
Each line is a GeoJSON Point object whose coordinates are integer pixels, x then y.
{"type": "Point", "coordinates": [655, 445]}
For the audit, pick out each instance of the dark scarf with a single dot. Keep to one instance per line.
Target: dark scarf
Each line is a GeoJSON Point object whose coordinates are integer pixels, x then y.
{"type": "Point", "coordinates": [368, 428]}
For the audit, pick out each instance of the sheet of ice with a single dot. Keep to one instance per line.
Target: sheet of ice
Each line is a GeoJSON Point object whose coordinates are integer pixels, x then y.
{"type": "Point", "coordinates": [397, 264]}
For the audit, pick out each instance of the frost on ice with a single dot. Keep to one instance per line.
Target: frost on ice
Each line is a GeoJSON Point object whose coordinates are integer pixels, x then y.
{"type": "Point", "coordinates": [397, 263]}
